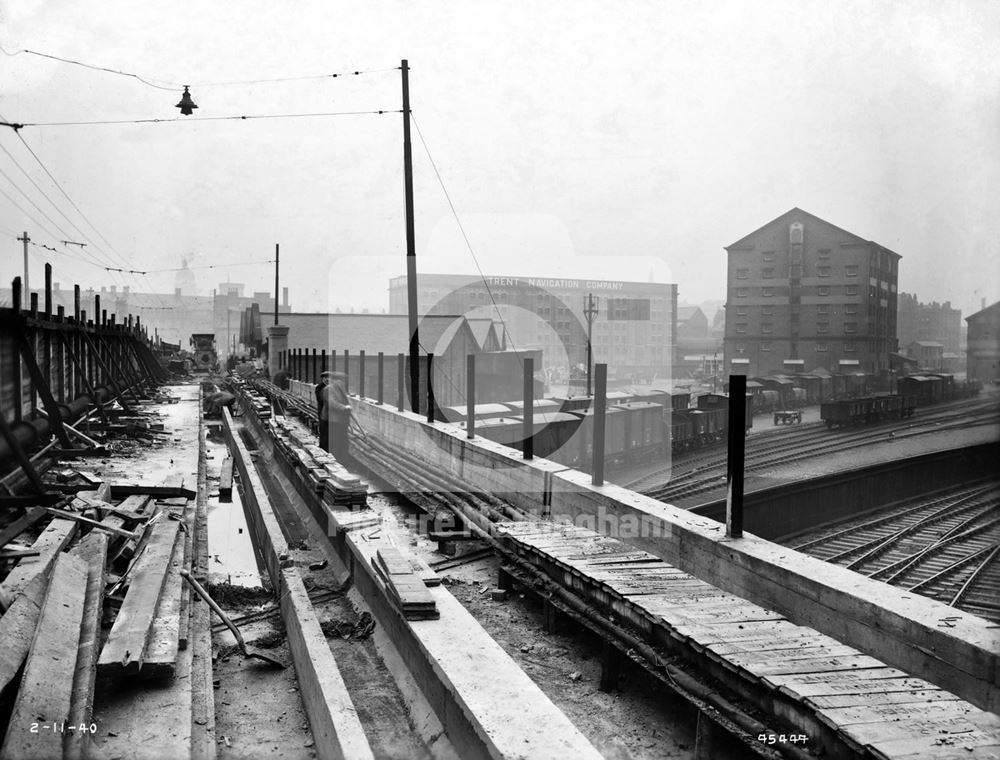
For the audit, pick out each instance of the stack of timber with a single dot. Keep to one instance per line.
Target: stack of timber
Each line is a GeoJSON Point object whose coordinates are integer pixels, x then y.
{"type": "Point", "coordinates": [329, 479]}
{"type": "Point", "coordinates": [406, 590]}
{"type": "Point", "coordinates": [56, 597]}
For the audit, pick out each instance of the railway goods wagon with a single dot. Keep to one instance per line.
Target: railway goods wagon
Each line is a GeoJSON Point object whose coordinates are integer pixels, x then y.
{"type": "Point", "coordinates": [767, 401]}
{"type": "Point", "coordinates": [573, 403]}
{"type": "Point", "coordinates": [813, 387]}
{"type": "Point", "coordinates": [781, 385]}
{"type": "Point", "coordinates": [551, 431]}
{"type": "Point", "coordinates": [654, 396]}
{"type": "Point", "coordinates": [801, 396]}
{"type": "Point", "coordinates": [711, 401]}
{"type": "Point", "coordinates": [643, 427]}
{"type": "Point", "coordinates": [538, 405]}
{"type": "Point", "coordinates": [924, 388]}
{"type": "Point", "coordinates": [679, 431]}
{"type": "Point", "coordinates": [579, 451]}
{"type": "Point", "coordinates": [866, 410]}
{"type": "Point", "coordinates": [678, 400]}
{"type": "Point", "coordinates": [948, 387]}
{"type": "Point", "coordinates": [482, 412]}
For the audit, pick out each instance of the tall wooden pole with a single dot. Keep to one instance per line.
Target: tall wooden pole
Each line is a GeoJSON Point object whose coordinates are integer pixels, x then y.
{"type": "Point", "coordinates": [411, 248]}
{"type": "Point", "coordinates": [275, 283]}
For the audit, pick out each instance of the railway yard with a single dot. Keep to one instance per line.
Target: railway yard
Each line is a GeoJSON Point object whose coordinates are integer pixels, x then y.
{"type": "Point", "coordinates": [412, 609]}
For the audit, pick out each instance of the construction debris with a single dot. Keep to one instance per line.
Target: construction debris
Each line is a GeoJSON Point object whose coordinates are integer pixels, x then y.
{"type": "Point", "coordinates": [405, 588]}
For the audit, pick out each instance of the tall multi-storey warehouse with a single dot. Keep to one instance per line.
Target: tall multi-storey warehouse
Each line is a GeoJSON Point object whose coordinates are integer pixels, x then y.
{"type": "Point", "coordinates": [634, 327]}
{"type": "Point", "coordinates": [804, 294]}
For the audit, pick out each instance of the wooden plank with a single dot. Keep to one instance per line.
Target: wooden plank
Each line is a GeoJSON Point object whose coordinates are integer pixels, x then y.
{"type": "Point", "coordinates": [49, 543]}
{"type": "Point", "coordinates": [226, 480]}
{"type": "Point", "coordinates": [914, 696]}
{"type": "Point", "coordinates": [44, 698]}
{"type": "Point", "coordinates": [846, 683]}
{"type": "Point", "coordinates": [160, 656]}
{"type": "Point", "coordinates": [94, 551]}
{"type": "Point", "coordinates": [122, 490]}
{"type": "Point", "coordinates": [17, 628]}
{"type": "Point", "coordinates": [185, 611]}
{"type": "Point", "coordinates": [827, 664]}
{"type": "Point", "coordinates": [880, 713]}
{"type": "Point", "coordinates": [126, 644]}
{"type": "Point", "coordinates": [63, 515]}
{"type": "Point", "coordinates": [20, 525]}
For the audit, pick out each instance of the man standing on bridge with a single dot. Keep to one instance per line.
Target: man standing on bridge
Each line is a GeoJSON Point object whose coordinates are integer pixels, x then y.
{"type": "Point", "coordinates": [335, 417]}
{"type": "Point", "coordinates": [324, 427]}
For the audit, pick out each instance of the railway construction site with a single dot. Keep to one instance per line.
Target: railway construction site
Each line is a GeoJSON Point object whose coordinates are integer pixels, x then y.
{"type": "Point", "coordinates": [176, 586]}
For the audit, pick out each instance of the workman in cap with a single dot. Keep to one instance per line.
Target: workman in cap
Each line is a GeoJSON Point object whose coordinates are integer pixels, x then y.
{"type": "Point", "coordinates": [335, 416]}
{"type": "Point", "coordinates": [324, 428]}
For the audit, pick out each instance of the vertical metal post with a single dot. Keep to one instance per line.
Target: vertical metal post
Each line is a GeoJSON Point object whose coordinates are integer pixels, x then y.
{"type": "Point", "coordinates": [411, 246]}
{"type": "Point", "coordinates": [381, 377]}
{"type": "Point", "coordinates": [15, 297]}
{"type": "Point", "coordinates": [361, 374]}
{"type": "Point", "coordinates": [333, 360]}
{"type": "Point", "coordinates": [315, 367]}
{"type": "Point", "coordinates": [600, 410]}
{"type": "Point", "coordinates": [48, 291]}
{"type": "Point", "coordinates": [347, 371]}
{"type": "Point", "coordinates": [33, 300]}
{"type": "Point", "coordinates": [734, 467]}
{"type": "Point", "coordinates": [430, 388]}
{"type": "Point", "coordinates": [528, 421]}
{"type": "Point", "coordinates": [322, 361]}
{"type": "Point", "coordinates": [401, 379]}
{"type": "Point", "coordinates": [470, 396]}
{"type": "Point", "coordinates": [61, 358]}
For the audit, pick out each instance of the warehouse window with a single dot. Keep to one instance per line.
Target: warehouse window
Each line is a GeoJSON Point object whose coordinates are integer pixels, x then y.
{"type": "Point", "coordinates": [766, 291]}
{"type": "Point", "coordinates": [821, 346]}
{"type": "Point", "coordinates": [852, 270]}
{"type": "Point", "coordinates": [824, 290]}
{"type": "Point", "coordinates": [823, 253]}
{"type": "Point", "coordinates": [850, 347]}
{"type": "Point", "coordinates": [741, 348]}
{"type": "Point", "coordinates": [742, 274]}
{"type": "Point", "coordinates": [850, 327]}
{"type": "Point", "coordinates": [765, 345]}
{"type": "Point", "coordinates": [768, 273]}
{"type": "Point", "coordinates": [822, 327]}
{"type": "Point", "coordinates": [741, 311]}
{"type": "Point", "coordinates": [741, 292]}
{"type": "Point", "coordinates": [767, 328]}
{"type": "Point", "coordinates": [628, 309]}
{"type": "Point", "coordinates": [768, 255]}
{"type": "Point", "coordinates": [852, 290]}
{"type": "Point", "coordinates": [741, 327]}
{"type": "Point", "coordinates": [823, 308]}
{"type": "Point", "coordinates": [767, 311]}
{"type": "Point", "coordinates": [850, 308]}
{"type": "Point", "coordinates": [823, 271]}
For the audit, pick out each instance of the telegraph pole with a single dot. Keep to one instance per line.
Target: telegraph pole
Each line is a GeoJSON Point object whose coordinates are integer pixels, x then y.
{"type": "Point", "coordinates": [275, 284]}
{"type": "Point", "coordinates": [25, 240]}
{"type": "Point", "coordinates": [590, 312]}
{"type": "Point", "coordinates": [411, 248]}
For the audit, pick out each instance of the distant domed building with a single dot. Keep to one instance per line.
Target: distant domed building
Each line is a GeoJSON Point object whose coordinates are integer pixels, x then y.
{"type": "Point", "coordinates": [185, 281]}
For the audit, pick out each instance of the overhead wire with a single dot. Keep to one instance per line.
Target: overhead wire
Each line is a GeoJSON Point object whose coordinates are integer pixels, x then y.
{"type": "Point", "coordinates": [162, 84]}
{"type": "Point", "coordinates": [195, 120]}
{"type": "Point", "coordinates": [465, 236]}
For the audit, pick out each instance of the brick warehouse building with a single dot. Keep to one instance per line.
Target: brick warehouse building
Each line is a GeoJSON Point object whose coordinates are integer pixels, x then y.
{"type": "Point", "coordinates": [804, 294]}
{"type": "Point", "coordinates": [634, 332]}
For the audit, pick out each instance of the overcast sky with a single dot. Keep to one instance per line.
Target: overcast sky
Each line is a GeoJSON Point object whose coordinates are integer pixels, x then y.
{"type": "Point", "coordinates": [623, 139]}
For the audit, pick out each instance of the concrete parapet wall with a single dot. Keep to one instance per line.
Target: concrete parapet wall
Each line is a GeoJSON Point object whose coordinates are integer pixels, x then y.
{"type": "Point", "coordinates": [919, 636]}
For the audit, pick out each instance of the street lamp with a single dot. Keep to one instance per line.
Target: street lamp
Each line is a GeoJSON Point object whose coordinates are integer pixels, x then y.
{"type": "Point", "coordinates": [590, 312]}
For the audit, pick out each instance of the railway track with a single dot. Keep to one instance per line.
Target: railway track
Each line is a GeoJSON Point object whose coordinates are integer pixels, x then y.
{"type": "Point", "coordinates": [946, 546]}
{"type": "Point", "coordinates": [815, 440]}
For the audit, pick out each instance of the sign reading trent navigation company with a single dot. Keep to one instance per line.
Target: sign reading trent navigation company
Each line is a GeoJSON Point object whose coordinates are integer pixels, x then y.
{"type": "Point", "coordinates": [545, 283]}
